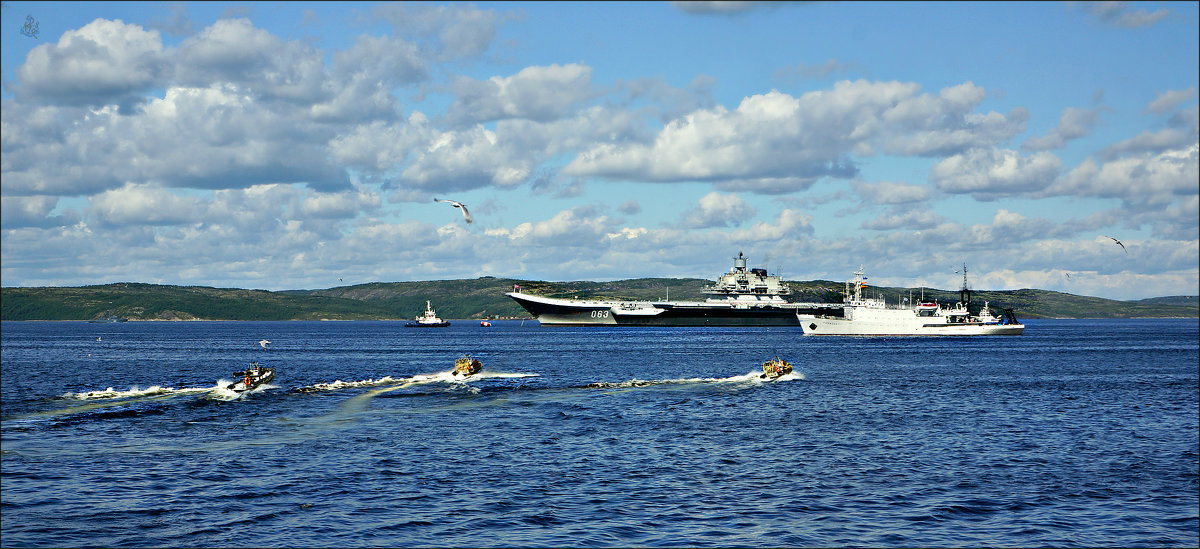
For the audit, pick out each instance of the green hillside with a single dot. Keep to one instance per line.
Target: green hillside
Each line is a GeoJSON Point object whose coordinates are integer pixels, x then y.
{"type": "Point", "coordinates": [484, 298]}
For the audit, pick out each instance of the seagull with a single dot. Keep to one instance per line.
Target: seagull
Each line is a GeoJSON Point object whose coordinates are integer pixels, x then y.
{"type": "Point", "coordinates": [264, 343]}
{"type": "Point", "coordinates": [1118, 243]}
{"type": "Point", "coordinates": [459, 205]}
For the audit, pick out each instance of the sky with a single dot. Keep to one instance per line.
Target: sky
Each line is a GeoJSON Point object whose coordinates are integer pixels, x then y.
{"type": "Point", "coordinates": [301, 145]}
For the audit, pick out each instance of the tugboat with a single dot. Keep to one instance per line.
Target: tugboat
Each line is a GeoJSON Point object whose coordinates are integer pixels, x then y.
{"type": "Point", "coordinates": [251, 378]}
{"type": "Point", "coordinates": [775, 368]}
{"type": "Point", "coordinates": [428, 320]}
{"type": "Point", "coordinates": [467, 366]}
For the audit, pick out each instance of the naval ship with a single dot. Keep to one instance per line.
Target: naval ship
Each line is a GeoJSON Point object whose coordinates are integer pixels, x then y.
{"type": "Point", "coordinates": [740, 297]}
{"type": "Point", "coordinates": [867, 316]}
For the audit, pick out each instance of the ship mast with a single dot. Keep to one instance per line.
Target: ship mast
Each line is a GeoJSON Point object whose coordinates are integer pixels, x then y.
{"type": "Point", "coordinates": [965, 293]}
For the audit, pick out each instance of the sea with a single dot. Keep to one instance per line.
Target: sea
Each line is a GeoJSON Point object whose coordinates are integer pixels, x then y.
{"type": "Point", "coordinates": [1078, 433]}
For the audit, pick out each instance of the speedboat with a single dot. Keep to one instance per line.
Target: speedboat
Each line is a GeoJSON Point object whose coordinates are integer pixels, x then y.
{"type": "Point", "coordinates": [466, 366]}
{"type": "Point", "coordinates": [775, 368]}
{"type": "Point", "coordinates": [251, 378]}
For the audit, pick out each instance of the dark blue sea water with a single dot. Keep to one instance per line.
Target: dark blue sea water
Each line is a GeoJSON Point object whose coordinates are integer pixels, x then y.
{"type": "Point", "coordinates": [1077, 433]}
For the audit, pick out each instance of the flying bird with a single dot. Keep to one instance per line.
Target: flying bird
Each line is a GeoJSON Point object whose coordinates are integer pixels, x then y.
{"type": "Point", "coordinates": [459, 205]}
{"type": "Point", "coordinates": [264, 343]}
{"type": "Point", "coordinates": [1118, 243]}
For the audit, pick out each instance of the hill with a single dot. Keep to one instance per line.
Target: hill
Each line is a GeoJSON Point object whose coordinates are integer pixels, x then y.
{"type": "Point", "coordinates": [484, 298]}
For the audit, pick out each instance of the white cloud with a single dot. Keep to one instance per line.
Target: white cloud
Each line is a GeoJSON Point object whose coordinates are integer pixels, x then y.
{"type": "Point", "coordinates": [913, 219]}
{"type": "Point", "coordinates": [889, 192]}
{"type": "Point", "coordinates": [717, 210]}
{"type": "Point", "coordinates": [1073, 124]}
{"type": "Point", "coordinates": [1168, 100]}
{"type": "Point", "coordinates": [990, 173]}
{"type": "Point", "coordinates": [104, 62]}
{"type": "Point", "coordinates": [775, 142]}
{"type": "Point", "coordinates": [446, 33]}
{"type": "Point", "coordinates": [339, 205]}
{"type": "Point", "coordinates": [537, 93]}
{"type": "Point", "coordinates": [1146, 183]}
{"type": "Point", "coordinates": [145, 205]}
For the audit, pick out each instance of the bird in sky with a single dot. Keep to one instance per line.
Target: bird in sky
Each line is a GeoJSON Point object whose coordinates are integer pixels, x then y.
{"type": "Point", "coordinates": [264, 343]}
{"type": "Point", "coordinates": [459, 205]}
{"type": "Point", "coordinates": [1118, 243]}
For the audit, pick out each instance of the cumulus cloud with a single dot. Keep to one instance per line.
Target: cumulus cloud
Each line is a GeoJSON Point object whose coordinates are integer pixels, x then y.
{"type": "Point", "coordinates": [1073, 124]}
{"type": "Point", "coordinates": [34, 211]}
{"type": "Point", "coordinates": [774, 142]}
{"type": "Point", "coordinates": [104, 62]}
{"type": "Point", "coordinates": [146, 205]}
{"type": "Point", "coordinates": [717, 210]}
{"type": "Point", "coordinates": [914, 219]}
{"type": "Point", "coordinates": [990, 173]}
{"type": "Point", "coordinates": [890, 192]}
{"type": "Point", "coordinates": [1168, 100]}
{"type": "Point", "coordinates": [444, 33]}
{"type": "Point", "coordinates": [536, 93]}
{"type": "Point", "coordinates": [578, 227]}
{"type": "Point", "coordinates": [1144, 182]}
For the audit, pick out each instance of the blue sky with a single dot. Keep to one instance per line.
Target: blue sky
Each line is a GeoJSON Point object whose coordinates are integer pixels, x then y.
{"type": "Point", "coordinates": [300, 145]}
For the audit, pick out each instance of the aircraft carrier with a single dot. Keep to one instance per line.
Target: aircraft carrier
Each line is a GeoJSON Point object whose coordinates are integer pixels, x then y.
{"type": "Point", "coordinates": [740, 297]}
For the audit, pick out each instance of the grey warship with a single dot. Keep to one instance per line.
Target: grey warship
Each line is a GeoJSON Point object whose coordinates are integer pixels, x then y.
{"type": "Point", "coordinates": [740, 297]}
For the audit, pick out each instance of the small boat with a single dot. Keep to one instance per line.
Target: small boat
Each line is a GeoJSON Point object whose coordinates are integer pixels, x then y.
{"type": "Point", "coordinates": [467, 365]}
{"type": "Point", "coordinates": [775, 368]}
{"type": "Point", "coordinates": [251, 378]}
{"type": "Point", "coordinates": [110, 318]}
{"type": "Point", "coordinates": [485, 323]}
{"type": "Point", "coordinates": [428, 320]}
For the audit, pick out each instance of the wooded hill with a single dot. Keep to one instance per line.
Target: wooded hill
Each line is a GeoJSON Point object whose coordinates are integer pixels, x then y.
{"type": "Point", "coordinates": [484, 298]}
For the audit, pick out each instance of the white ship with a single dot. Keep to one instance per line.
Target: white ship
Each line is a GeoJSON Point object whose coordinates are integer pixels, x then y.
{"type": "Point", "coordinates": [865, 316]}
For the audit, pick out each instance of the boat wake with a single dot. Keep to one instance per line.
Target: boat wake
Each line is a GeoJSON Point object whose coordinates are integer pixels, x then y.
{"type": "Point", "coordinates": [390, 383]}
{"type": "Point", "coordinates": [752, 377]}
{"type": "Point", "coordinates": [223, 392]}
{"type": "Point", "coordinates": [113, 399]}
{"type": "Point", "coordinates": [134, 392]}
{"type": "Point", "coordinates": [111, 393]}
{"type": "Point", "coordinates": [339, 384]}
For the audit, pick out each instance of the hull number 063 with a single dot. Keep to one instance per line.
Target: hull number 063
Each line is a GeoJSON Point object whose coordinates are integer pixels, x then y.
{"type": "Point", "coordinates": [600, 314]}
